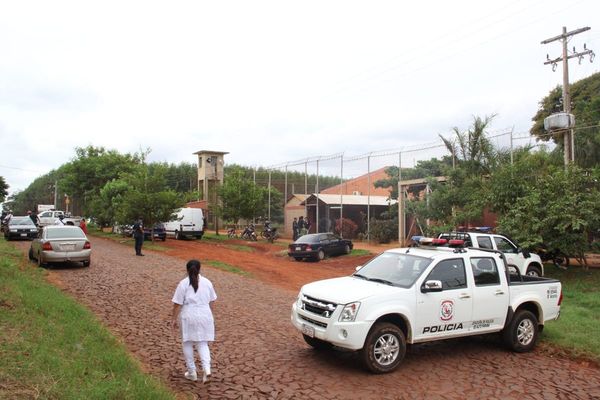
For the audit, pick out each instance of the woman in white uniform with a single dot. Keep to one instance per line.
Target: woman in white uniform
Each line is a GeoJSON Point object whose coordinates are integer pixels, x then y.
{"type": "Point", "coordinates": [191, 303]}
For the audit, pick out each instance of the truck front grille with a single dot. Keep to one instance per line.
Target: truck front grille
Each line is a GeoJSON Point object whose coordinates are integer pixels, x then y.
{"type": "Point", "coordinates": [312, 321]}
{"type": "Point", "coordinates": [319, 307]}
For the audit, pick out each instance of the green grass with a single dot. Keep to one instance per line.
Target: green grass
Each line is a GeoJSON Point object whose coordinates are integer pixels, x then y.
{"type": "Point", "coordinates": [240, 247]}
{"type": "Point", "coordinates": [53, 348]}
{"type": "Point", "coordinates": [214, 237]}
{"type": "Point", "coordinates": [578, 329]}
{"type": "Point", "coordinates": [226, 267]}
{"type": "Point", "coordinates": [359, 252]}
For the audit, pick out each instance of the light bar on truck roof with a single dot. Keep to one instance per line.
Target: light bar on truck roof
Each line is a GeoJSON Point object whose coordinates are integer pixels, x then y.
{"type": "Point", "coordinates": [427, 241]}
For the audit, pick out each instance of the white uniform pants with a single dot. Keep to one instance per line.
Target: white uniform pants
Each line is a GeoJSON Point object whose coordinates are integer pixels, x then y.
{"type": "Point", "coordinates": [203, 350]}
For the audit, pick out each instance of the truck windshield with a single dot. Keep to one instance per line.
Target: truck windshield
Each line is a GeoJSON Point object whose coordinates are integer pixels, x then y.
{"type": "Point", "coordinates": [398, 269]}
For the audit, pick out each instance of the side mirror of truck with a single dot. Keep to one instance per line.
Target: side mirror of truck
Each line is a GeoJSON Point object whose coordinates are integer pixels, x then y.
{"type": "Point", "coordinates": [431, 286]}
{"type": "Point", "coordinates": [526, 253]}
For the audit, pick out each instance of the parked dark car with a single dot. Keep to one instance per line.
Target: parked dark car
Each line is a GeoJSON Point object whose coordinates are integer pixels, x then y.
{"type": "Point", "coordinates": [319, 245]}
{"type": "Point", "coordinates": [20, 228]}
{"type": "Point", "coordinates": [159, 232]}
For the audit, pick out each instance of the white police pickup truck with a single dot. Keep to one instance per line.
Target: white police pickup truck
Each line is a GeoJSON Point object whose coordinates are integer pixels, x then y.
{"type": "Point", "coordinates": [420, 294]}
{"type": "Point", "coordinates": [527, 263]}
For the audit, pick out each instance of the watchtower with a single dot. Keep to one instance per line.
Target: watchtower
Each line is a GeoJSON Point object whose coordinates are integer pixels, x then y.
{"type": "Point", "coordinates": [210, 173]}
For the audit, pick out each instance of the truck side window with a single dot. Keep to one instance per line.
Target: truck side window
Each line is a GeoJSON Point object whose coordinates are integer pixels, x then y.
{"type": "Point", "coordinates": [485, 242]}
{"type": "Point", "coordinates": [485, 271]}
{"type": "Point", "coordinates": [504, 245]}
{"type": "Point", "coordinates": [451, 273]}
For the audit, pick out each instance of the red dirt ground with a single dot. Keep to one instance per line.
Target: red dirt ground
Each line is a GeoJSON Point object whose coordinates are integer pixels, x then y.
{"type": "Point", "coordinates": [276, 269]}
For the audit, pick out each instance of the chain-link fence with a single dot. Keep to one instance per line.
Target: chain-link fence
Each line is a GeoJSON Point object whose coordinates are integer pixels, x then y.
{"type": "Point", "coordinates": [329, 188]}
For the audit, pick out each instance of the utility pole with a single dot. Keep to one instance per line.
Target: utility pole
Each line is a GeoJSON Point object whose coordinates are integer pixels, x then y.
{"type": "Point", "coordinates": [568, 140]}
{"type": "Point", "coordinates": [55, 194]}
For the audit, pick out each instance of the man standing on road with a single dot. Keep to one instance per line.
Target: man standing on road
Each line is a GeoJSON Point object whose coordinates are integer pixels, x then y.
{"type": "Point", "coordinates": [138, 235]}
{"type": "Point", "coordinates": [295, 229]}
{"type": "Point", "coordinates": [34, 218]}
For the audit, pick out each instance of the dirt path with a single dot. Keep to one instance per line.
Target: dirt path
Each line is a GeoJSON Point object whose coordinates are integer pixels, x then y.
{"type": "Point", "coordinates": [259, 355]}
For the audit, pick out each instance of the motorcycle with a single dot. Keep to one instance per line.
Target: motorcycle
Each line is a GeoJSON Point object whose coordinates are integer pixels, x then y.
{"type": "Point", "coordinates": [249, 233]}
{"type": "Point", "coordinates": [231, 233]}
{"type": "Point", "coordinates": [269, 233]}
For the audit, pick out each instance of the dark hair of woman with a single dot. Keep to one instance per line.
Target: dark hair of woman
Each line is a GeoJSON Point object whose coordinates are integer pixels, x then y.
{"type": "Point", "coordinates": [193, 269]}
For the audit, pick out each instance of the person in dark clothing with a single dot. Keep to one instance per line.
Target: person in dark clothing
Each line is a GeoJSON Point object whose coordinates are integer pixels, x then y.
{"type": "Point", "coordinates": [295, 229]}
{"type": "Point", "coordinates": [34, 217]}
{"type": "Point", "coordinates": [138, 235]}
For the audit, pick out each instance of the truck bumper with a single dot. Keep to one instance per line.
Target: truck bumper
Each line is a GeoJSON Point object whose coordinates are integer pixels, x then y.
{"type": "Point", "coordinates": [348, 335]}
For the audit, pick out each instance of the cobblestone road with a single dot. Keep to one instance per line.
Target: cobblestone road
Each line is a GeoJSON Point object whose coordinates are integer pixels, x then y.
{"type": "Point", "coordinates": [258, 355]}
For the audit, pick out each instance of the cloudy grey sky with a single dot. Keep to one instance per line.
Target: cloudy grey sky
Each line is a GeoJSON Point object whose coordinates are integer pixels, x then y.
{"type": "Point", "coordinates": [269, 81]}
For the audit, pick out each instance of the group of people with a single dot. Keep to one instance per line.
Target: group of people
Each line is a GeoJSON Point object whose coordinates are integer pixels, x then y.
{"type": "Point", "coordinates": [300, 226]}
{"type": "Point", "coordinates": [7, 216]}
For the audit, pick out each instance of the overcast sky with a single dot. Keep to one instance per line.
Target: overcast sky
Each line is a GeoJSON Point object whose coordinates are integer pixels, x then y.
{"type": "Point", "coordinates": [270, 81]}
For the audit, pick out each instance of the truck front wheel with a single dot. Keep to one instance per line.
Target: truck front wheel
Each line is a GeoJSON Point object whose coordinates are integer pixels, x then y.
{"type": "Point", "coordinates": [317, 343]}
{"type": "Point", "coordinates": [384, 349]}
{"type": "Point", "coordinates": [521, 334]}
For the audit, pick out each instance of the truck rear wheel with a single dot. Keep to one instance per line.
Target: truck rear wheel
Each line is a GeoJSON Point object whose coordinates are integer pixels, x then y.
{"type": "Point", "coordinates": [521, 334]}
{"type": "Point", "coordinates": [317, 344]}
{"type": "Point", "coordinates": [384, 349]}
{"type": "Point", "coordinates": [534, 270]}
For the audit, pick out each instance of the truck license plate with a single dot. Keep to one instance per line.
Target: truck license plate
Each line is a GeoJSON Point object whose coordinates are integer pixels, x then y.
{"type": "Point", "coordinates": [298, 248]}
{"type": "Point", "coordinates": [23, 234]}
{"type": "Point", "coordinates": [308, 330]}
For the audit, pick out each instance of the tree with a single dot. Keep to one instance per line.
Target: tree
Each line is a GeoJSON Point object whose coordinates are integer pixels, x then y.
{"type": "Point", "coordinates": [585, 105]}
{"type": "Point", "coordinates": [145, 197]}
{"type": "Point", "coordinates": [472, 148]}
{"type": "Point", "coordinates": [3, 189]}
{"type": "Point", "coordinates": [560, 210]}
{"type": "Point", "coordinates": [509, 182]}
{"type": "Point", "coordinates": [91, 169]}
{"type": "Point", "coordinates": [105, 207]}
{"type": "Point", "coordinates": [240, 198]}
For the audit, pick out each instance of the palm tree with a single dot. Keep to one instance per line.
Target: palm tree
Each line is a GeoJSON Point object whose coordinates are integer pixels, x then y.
{"type": "Point", "coordinates": [472, 147]}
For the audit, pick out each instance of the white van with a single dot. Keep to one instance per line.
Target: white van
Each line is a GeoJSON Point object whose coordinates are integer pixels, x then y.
{"type": "Point", "coordinates": [189, 223]}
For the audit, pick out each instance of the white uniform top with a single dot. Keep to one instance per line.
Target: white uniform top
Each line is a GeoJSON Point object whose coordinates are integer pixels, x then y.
{"type": "Point", "coordinates": [58, 221]}
{"type": "Point", "coordinates": [196, 319]}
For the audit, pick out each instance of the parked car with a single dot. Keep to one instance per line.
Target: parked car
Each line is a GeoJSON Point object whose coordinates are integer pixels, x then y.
{"type": "Point", "coordinates": [20, 228]}
{"type": "Point", "coordinates": [318, 246]}
{"type": "Point", "coordinates": [61, 243]}
{"type": "Point", "coordinates": [158, 232]}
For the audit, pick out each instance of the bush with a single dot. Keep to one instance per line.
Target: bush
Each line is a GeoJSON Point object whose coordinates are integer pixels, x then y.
{"type": "Point", "coordinates": [384, 231]}
{"type": "Point", "coordinates": [346, 228]}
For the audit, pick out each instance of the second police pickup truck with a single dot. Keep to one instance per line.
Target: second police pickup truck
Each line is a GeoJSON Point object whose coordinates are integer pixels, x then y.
{"type": "Point", "coordinates": [420, 294]}
{"type": "Point", "coordinates": [527, 263]}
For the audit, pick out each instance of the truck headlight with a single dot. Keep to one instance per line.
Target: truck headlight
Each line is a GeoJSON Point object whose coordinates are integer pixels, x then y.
{"type": "Point", "coordinates": [349, 312]}
{"type": "Point", "coordinates": [299, 301]}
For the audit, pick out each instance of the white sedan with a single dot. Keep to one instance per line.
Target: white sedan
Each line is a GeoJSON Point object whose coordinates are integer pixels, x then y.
{"type": "Point", "coordinates": [58, 243]}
